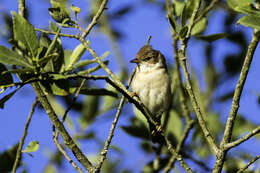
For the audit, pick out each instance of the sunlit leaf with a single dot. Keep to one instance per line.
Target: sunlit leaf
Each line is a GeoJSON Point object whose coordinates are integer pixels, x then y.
{"type": "Point", "coordinates": [200, 26]}
{"type": "Point", "coordinates": [25, 34]}
{"type": "Point", "coordinates": [10, 57]}
{"type": "Point", "coordinates": [235, 3]}
{"type": "Point", "coordinates": [33, 146]}
{"type": "Point", "coordinates": [250, 21]}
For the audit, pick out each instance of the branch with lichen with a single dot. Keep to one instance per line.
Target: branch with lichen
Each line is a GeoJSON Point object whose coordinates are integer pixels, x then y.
{"type": "Point", "coordinates": [248, 164]}
{"type": "Point", "coordinates": [20, 146]}
{"type": "Point", "coordinates": [235, 104]}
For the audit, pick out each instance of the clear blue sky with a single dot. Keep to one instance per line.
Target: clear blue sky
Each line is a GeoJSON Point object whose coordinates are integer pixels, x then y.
{"type": "Point", "coordinates": [141, 22]}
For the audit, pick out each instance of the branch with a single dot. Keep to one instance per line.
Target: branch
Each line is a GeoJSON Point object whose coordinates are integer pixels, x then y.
{"type": "Point", "coordinates": [68, 141]}
{"type": "Point", "coordinates": [235, 103]}
{"type": "Point", "coordinates": [205, 11]}
{"type": "Point", "coordinates": [242, 139]}
{"type": "Point", "coordinates": [182, 58]}
{"type": "Point", "coordinates": [95, 18]}
{"type": "Point", "coordinates": [103, 153]}
{"type": "Point", "coordinates": [117, 84]}
{"type": "Point", "coordinates": [19, 149]}
{"type": "Point", "coordinates": [66, 155]}
{"type": "Point", "coordinates": [186, 132]}
{"type": "Point", "coordinates": [248, 164]}
{"type": "Point", "coordinates": [55, 33]}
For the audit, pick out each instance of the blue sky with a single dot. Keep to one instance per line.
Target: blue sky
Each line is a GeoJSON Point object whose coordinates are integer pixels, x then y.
{"type": "Point", "coordinates": [142, 21]}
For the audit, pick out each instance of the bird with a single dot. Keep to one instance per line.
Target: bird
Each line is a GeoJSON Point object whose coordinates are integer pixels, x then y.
{"type": "Point", "coordinates": [152, 85]}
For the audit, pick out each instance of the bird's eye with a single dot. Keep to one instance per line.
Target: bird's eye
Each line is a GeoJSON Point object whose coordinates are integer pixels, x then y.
{"type": "Point", "coordinates": [147, 58]}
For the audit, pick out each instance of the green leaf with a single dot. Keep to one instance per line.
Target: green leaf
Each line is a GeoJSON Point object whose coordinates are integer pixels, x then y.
{"type": "Point", "coordinates": [235, 3]}
{"type": "Point", "coordinates": [137, 129]}
{"type": "Point", "coordinates": [53, 27]}
{"type": "Point", "coordinates": [5, 79]}
{"type": "Point", "coordinates": [89, 111]}
{"type": "Point", "coordinates": [87, 62]}
{"type": "Point", "coordinates": [7, 97]}
{"type": "Point", "coordinates": [32, 147]}
{"type": "Point", "coordinates": [200, 26]}
{"type": "Point", "coordinates": [25, 34]}
{"type": "Point", "coordinates": [7, 159]}
{"type": "Point", "coordinates": [183, 31]}
{"type": "Point", "coordinates": [59, 12]}
{"type": "Point", "coordinates": [178, 7]}
{"type": "Point", "coordinates": [75, 56]}
{"type": "Point", "coordinates": [94, 91]}
{"type": "Point", "coordinates": [175, 125]}
{"type": "Point", "coordinates": [247, 9]}
{"type": "Point", "coordinates": [10, 57]}
{"type": "Point", "coordinates": [212, 37]}
{"type": "Point", "coordinates": [184, 15]}
{"type": "Point", "coordinates": [172, 22]}
{"type": "Point", "coordinates": [250, 21]}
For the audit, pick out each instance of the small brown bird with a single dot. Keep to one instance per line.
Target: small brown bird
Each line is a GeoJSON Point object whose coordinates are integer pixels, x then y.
{"type": "Point", "coordinates": [152, 85]}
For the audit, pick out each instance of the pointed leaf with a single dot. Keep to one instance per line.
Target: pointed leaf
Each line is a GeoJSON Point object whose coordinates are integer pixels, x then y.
{"type": "Point", "coordinates": [212, 37]}
{"type": "Point", "coordinates": [25, 34]}
{"type": "Point", "coordinates": [250, 21]}
{"type": "Point", "coordinates": [200, 26]}
{"type": "Point", "coordinates": [10, 57]}
{"type": "Point", "coordinates": [32, 147]}
{"type": "Point", "coordinates": [235, 3]}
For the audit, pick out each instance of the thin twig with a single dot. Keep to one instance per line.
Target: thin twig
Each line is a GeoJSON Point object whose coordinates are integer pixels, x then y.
{"type": "Point", "coordinates": [20, 146]}
{"type": "Point", "coordinates": [248, 164]}
{"type": "Point", "coordinates": [95, 18]}
{"type": "Point", "coordinates": [205, 11]}
{"type": "Point", "coordinates": [68, 141]}
{"type": "Point", "coordinates": [242, 139]}
{"type": "Point", "coordinates": [186, 132]}
{"type": "Point", "coordinates": [59, 34]}
{"type": "Point", "coordinates": [103, 153]}
{"type": "Point", "coordinates": [60, 148]}
{"type": "Point", "coordinates": [235, 103]}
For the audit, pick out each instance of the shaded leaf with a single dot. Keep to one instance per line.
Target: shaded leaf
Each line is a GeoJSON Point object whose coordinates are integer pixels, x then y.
{"type": "Point", "coordinates": [7, 159]}
{"type": "Point", "coordinates": [137, 129]}
{"type": "Point", "coordinates": [183, 31]}
{"type": "Point", "coordinates": [175, 125]}
{"type": "Point", "coordinates": [212, 37]}
{"type": "Point", "coordinates": [89, 111]}
{"type": "Point", "coordinates": [25, 34]}
{"type": "Point", "coordinates": [6, 78]}
{"type": "Point", "coordinates": [10, 57]}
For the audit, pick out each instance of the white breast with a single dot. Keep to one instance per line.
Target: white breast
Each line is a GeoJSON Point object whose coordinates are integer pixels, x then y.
{"type": "Point", "coordinates": [153, 89]}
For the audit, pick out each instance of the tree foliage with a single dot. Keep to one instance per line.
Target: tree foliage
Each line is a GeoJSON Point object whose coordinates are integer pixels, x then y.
{"type": "Point", "coordinates": [194, 130]}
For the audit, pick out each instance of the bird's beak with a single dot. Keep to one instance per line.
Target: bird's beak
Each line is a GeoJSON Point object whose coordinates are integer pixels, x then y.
{"type": "Point", "coordinates": [134, 60]}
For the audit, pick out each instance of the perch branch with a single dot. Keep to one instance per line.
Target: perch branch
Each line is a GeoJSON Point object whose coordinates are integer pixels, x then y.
{"type": "Point", "coordinates": [20, 146]}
